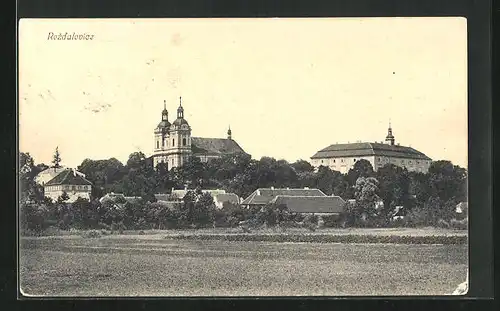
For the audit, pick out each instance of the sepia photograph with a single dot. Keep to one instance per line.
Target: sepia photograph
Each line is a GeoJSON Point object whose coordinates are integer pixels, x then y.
{"type": "Point", "coordinates": [254, 157]}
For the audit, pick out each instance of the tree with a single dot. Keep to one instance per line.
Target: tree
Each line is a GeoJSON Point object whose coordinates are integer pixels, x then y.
{"type": "Point", "coordinates": [366, 194]}
{"type": "Point", "coordinates": [63, 197]}
{"type": "Point", "coordinates": [447, 181]}
{"type": "Point", "coordinates": [57, 158]}
{"type": "Point", "coordinates": [394, 187]}
{"type": "Point", "coordinates": [362, 168]}
{"type": "Point", "coordinates": [301, 166]}
{"type": "Point", "coordinates": [330, 182]}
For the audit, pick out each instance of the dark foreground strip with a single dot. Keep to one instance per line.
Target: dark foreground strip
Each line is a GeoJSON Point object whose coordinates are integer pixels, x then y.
{"type": "Point", "coordinates": [446, 240]}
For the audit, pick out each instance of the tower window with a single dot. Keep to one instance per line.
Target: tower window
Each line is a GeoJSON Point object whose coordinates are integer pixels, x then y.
{"type": "Point", "coordinates": [333, 160]}
{"type": "Point", "coordinates": [172, 162]}
{"type": "Point", "coordinates": [183, 141]}
{"type": "Point", "coordinates": [173, 142]}
{"type": "Point", "coordinates": [157, 144]}
{"type": "Point", "coordinates": [354, 160]}
{"type": "Point", "coordinates": [163, 143]}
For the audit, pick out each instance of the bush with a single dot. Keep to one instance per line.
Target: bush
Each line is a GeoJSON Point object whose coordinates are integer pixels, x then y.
{"type": "Point", "coordinates": [92, 234]}
{"type": "Point", "coordinates": [120, 227]}
{"type": "Point", "coordinates": [324, 238]}
{"type": "Point", "coordinates": [459, 224]}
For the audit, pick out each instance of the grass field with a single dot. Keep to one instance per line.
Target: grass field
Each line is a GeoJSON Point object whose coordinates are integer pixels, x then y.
{"type": "Point", "coordinates": [155, 265]}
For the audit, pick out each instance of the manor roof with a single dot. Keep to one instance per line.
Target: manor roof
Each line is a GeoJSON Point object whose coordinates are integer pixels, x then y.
{"type": "Point", "coordinates": [369, 149]}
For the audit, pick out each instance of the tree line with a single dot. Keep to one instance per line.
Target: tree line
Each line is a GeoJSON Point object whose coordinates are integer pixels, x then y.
{"type": "Point", "coordinates": [427, 197]}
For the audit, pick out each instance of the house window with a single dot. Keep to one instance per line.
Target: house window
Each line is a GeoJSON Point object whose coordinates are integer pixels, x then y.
{"type": "Point", "coordinates": [321, 161]}
{"type": "Point", "coordinates": [354, 160]}
{"type": "Point", "coordinates": [341, 160]}
{"type": "Point", "coordinates": [73, 187]}
{"type": "Point", "coordinates": [418, 162]}
{"type": "Point", "coordinates": [403, 161]}
{"type": "Point", "coordinates": [379, 159]}
{"type": "Point", "coordinates": [183, 141]}
{"type": "Point", "coordinates": [410, 162]}
{"type": "Point", "coordinates": [333, 160]}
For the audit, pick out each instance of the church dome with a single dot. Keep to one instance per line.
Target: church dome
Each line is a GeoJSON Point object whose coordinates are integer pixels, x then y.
{"type": "Point", "coordinates": [180, 121]}
{"type": "Point", "coordinates": [163, 124]}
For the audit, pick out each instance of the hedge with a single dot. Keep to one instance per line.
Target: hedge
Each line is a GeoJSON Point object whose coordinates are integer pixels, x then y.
{"type": "Point", "coordinates": [392, 239]}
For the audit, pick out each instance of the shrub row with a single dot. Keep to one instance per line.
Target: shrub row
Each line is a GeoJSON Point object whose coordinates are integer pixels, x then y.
{"type": "Point", "coordinates": [324, 238]}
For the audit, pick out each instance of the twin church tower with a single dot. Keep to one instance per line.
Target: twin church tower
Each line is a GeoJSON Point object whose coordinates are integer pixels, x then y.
{"type": "Point", "coordinates": [174, 144]}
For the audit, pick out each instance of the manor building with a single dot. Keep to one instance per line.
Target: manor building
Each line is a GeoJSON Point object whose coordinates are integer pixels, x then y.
{"type": "Point", "coordinates": [174, 145]}
{"type": "Point", "coordinates": [342, 157]}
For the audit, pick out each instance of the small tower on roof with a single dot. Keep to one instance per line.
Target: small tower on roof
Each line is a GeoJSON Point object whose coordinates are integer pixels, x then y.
{"type": "Point", "coordinates": [180, 110]}
{"type": "Point", "coordinates": [229, 133]}
{"type": "Point", "coordinates": [164, 113]}
{"type": "Point", "coordinates": [389, 138]}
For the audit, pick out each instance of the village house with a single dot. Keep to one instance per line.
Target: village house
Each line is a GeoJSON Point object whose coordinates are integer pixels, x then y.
{"type": "Point", "coordinates": [263, 196]}
{"type": "Point", "coordinates": [321, 206]}
{"type": "Point", "coordinates": [221, 198]}
{"type": "Point", "coordinates": [178, 194]}
{"type": "Point", "coordinates": [46, 175]}
{"type": "Point", "coordinates": [68, 181]}
{"type": "Point", "coordinates": [119, 196]}
{"type": "Point", "coordinates": [342, 157]}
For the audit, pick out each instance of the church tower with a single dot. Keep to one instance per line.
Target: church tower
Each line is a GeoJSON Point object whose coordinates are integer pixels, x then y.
{"type": "Point", "coordinates": [389, 138]}
{"type": "Point", "coordinates": [161, 134]}
{"type": "Point", "coordinates": [179, 140]}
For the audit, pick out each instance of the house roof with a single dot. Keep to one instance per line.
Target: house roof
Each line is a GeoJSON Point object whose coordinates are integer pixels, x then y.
{"type": "Point", "coordinates": [162, 197]}
{"type": "Point", "coordinates": [181, 193]}
{"type": "Point", "coordinates": [227, 197]}
{"type": "Point", "coordinates": [311, 204]}
{"type": "Point", "coordinates": [68, 177]}
{"type": "Point", "coordinates": [113, 196]}
{"type": "Point", "coordinates": [263, 196]}
{"type": "Point", "coordinates": [369, 149]}
{"type": "Point", "coordinates": [49, 173]}
{"type": "Point", "coordinates": [214, 146]}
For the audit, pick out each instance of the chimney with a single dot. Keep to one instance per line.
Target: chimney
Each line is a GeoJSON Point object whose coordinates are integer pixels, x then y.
{"type": "Point", "coordinates": [172, 190]}
{"type": "Point", "coordinates": [306, 188]}
{"type": "Point", "coordinates": [287, 188]}
{"type": "Point", "coordinates": [185, 187]}
{"type": "Point", "coordinates": [272, 188]}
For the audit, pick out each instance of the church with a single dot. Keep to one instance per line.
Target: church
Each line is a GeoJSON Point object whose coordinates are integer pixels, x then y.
{"type": "Point", "coordinates": [174, 145]}
{"type": "Point", "coordinates": [342, 157]}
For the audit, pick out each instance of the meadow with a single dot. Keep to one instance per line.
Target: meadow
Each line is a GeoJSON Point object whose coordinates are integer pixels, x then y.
{"type": "Point", "coordinates": [157, 263]}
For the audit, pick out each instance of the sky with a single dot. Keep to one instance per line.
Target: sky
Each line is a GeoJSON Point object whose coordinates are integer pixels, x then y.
{"type": "Point", "coordinates": [287, 87]}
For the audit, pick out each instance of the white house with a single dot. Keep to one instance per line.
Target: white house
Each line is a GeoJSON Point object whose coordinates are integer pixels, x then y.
{"type": "Point", "coordinates": [71, 182]}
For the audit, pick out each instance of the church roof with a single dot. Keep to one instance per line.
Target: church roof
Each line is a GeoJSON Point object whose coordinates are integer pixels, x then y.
{"type": "Point", "coordinates": [369, 149]}
{"type": "Point", "coordinates": [214, 146]}
{"type": "Point", "coordinates": [68, 177]}
{"type": "Point", "coordinates": [163, 124]}
{"type": "Point", "coordinates": [180, 121]}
